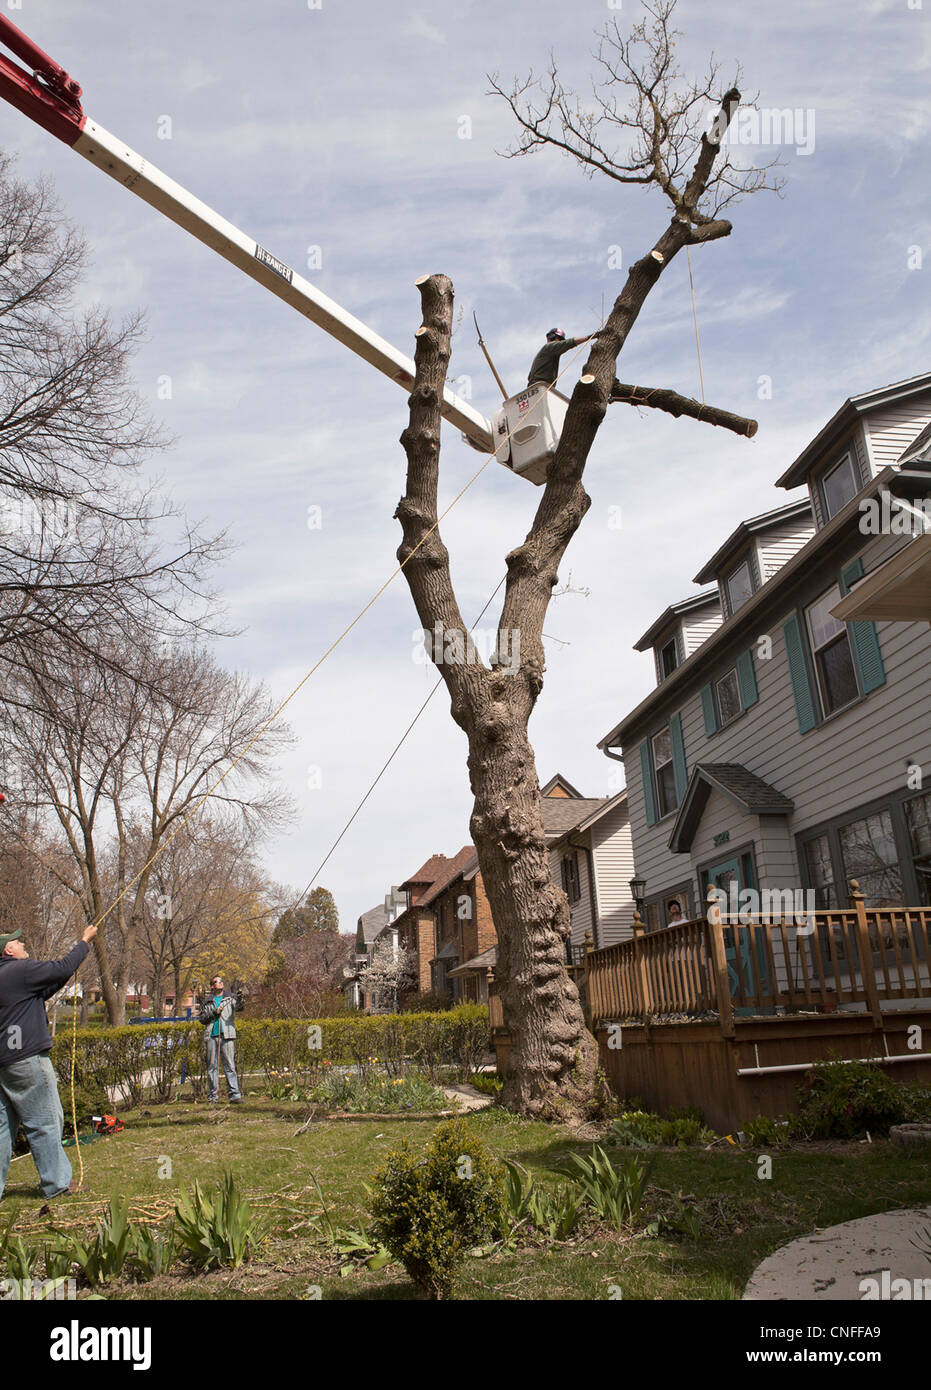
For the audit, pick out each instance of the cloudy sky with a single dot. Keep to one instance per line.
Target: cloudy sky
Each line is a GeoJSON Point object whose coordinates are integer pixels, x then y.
{"type": "Point", "coordinates": [339, 127]}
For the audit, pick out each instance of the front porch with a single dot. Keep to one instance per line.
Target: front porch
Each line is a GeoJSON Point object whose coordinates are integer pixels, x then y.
{"type": "Point", "coordinates": [727, 1013]}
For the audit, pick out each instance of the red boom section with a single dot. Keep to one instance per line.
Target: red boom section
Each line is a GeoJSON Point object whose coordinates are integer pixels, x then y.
{"type": "Point", "coordinates": [47, 95]}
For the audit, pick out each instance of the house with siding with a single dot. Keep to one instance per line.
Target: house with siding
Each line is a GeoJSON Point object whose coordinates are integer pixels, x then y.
{"type": "Point", "coordinates": [789, 748]}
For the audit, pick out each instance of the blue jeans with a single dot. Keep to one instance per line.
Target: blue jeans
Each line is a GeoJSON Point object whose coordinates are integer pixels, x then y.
{"type": "Point", "coordinates": [29, 1097]}
{"type": "Point", "coordinates": [225, 1049]}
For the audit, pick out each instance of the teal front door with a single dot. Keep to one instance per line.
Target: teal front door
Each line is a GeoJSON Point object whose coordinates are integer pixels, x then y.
{"type": "Point", "coordinates": [747, 968]}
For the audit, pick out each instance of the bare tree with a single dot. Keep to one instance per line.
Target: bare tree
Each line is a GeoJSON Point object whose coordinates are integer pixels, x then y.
{"type": "Point", "coordinates": [82, 543]}
{"type": "Point", "coordinates": [553, 1057]}
{"type": "Point", "coordinates": [108, 755]}
{"type": "Point", "coordinates": [205, 892]}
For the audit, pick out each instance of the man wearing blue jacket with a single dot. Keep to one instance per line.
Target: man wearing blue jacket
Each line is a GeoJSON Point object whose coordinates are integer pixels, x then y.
{"type": "Point", "coordinates": [28, 1084]}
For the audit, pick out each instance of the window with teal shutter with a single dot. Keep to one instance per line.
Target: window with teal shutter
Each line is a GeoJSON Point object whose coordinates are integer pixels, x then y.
{"type": "Point", "coordinates": [678, 756]}
{"type": "Point", "coordinates": [863, 637]}
{"type": "Point", "coordinates": [798, 672]}
{"type": "Point", "coordinates": [746, 677]}
{"type": "Point", "coordinates": [708, 710]}
{"type": "Point", "coordinates": [646, 773]}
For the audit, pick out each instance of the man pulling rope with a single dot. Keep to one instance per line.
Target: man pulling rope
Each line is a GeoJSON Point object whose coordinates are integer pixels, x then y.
{"type": "Point", "coordinates": [28, 1083]}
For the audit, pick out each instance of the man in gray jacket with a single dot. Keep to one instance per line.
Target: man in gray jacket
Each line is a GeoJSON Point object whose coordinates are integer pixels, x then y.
{"type": "Point", "coordinates": [217, 1017]}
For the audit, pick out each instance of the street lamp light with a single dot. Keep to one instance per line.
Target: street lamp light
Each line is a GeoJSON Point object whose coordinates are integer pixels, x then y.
{"type": "Point", "coordinates": [638, 888]}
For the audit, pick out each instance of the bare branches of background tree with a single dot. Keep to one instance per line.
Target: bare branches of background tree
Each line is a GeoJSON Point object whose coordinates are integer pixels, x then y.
{"type": "Point", "coordinates": [83, 541]}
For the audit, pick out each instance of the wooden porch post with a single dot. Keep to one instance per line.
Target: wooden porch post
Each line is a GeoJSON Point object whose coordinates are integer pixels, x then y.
{"type": "Point", "coordinates": [646, 996]}
{"type": "Point", "coordinates": [865, 952]}
{"type": "Point", "coordinates": [586, 994]}
{"type": "Point", "coordinates": [719, 963]}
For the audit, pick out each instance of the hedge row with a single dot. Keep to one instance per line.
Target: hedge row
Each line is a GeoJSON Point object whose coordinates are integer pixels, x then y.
{"type": "Point", "coordinates": [140, 1058]}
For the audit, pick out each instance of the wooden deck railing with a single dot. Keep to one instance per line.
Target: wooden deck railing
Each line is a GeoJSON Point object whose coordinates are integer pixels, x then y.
{"type": "Point", "coordinates": [856, 955]}
{"type": "Point", "coordinates": [721, 965]}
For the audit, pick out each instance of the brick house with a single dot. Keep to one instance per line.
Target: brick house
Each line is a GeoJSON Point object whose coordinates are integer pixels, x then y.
{"type": "Point", "coordinates": [448, 922]}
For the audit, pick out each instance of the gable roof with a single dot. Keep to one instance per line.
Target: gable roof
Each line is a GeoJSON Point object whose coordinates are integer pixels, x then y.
{"type": "Point", "coordinates": [560, 814]}
{"type": "Point", "coordinates": [371, 923]}
{"type": "Point", "coordinates": [851, 411]}
{"type": "Point", "coordinates": [750, 793]}
{"type": "Point", "coordinates": [742, 533]}
{"type": "Point", "coordinates": [445, 873]}
{"type": "Point", "coordinates": [559, 781]}
{"type": "Point", "coordinates": [705, 599]}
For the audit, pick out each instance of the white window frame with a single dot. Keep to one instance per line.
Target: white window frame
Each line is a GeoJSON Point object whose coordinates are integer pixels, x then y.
{"type": "Point", "coordinates": [828, 473]}
{"type": "Point", "coordinates": [746, 564]}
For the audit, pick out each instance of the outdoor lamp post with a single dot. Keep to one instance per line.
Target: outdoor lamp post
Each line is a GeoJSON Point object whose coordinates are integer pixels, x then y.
{"type": "Point", "coordinates": [638, 888]}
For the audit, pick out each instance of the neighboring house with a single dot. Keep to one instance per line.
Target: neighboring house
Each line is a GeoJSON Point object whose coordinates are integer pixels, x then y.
{"type": "Point", "coordinates": [786, 750]}
{"type": "Point", "coordinates": [417, 924]}
{"type": "Point", "coordinates": [371, 927]}
{"type": "Point", "coordinates": [591, 857]}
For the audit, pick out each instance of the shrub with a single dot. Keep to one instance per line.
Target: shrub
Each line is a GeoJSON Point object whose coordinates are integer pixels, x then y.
{"type": "Point", "coordinates": [119, 1058]}
{"type": "Point", "coordinates": [763, 1132]}
{"type": "Point", "coordinates": [430, 1211]}
{"type": "Point", "coordinates": [489, 1083]}
{"type": "Point", "coordinates": [642, 1130]}
{"type": "Point", "coordinates": [428, 1001]}
{"type": "Point", "coordinates": [844, 1100]}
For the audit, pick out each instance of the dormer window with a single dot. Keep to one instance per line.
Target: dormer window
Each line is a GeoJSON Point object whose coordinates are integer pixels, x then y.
{"type": "Point", "coordinates": [739, 587]}
{"type": "Point", "coordinates": [838, 485]}
{"type": "Point", "coordinates": [668, 659]}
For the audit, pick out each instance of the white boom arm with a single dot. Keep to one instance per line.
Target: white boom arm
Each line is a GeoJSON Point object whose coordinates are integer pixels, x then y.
{"type": "Point", "coordinates": [45, 93]}
{"type": "Point", "coordinates": [115, 158]}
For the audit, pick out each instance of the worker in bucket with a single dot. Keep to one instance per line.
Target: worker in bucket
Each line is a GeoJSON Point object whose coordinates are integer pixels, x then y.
{"type": "Point", "coordinates": [28, 1081]}
{"type": "Point", "coordinates": [217, 1017]}
{"type": "Point", "coordinates": [545, 368]}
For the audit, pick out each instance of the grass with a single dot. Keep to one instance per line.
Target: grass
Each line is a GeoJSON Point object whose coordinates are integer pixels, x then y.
{"type": "Point", "coordinates": [743, 1218]}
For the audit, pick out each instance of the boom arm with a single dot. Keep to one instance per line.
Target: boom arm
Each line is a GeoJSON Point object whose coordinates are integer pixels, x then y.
{"type": "Point", "coordinates": [52, 99]}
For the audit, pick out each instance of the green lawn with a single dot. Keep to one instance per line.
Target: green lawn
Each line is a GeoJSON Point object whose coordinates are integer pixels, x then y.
{"type": "Point", "coordinates": [744, 1217]}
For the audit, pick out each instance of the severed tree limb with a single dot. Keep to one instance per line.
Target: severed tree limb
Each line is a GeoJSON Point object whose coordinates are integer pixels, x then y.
{"type": "Point", "coordinates": [674, 404]}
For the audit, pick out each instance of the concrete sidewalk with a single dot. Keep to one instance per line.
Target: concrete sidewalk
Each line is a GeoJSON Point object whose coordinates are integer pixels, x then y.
{"type": "Point", "coordinates": [886, 1257]}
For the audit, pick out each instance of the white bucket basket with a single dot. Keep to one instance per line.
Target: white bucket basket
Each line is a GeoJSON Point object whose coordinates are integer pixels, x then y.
{"type": "Point", "coordinates": [533, 420]}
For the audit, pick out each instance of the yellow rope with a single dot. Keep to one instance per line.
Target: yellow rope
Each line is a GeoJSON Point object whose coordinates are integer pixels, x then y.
{"type": "Point", "coordinates": [701, 379]}
{"type": "Point", "coordinates": [268, 723]}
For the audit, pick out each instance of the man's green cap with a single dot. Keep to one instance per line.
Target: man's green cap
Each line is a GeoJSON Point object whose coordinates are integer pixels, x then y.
{"type": "Point", "coordinates": [10, 936]}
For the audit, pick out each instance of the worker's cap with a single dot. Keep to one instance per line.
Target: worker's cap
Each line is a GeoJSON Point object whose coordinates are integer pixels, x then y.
{"type": "Point", "coordinates": [554, 335]}
{"type": "Point", "coordinates": [8, 937]}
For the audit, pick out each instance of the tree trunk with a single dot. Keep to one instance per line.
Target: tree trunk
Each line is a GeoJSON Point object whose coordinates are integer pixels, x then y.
{"type": "Point", "coordinates": [553, 1058]}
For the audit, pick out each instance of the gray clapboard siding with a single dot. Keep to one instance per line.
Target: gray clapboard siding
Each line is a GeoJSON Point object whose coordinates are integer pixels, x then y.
{"type": "Point", "coordinates": [889, 431]}
{"type": "Point", "coordinates": [581, 912]}
{"type": "Point", "coordinates": [614, 868]}
{"type": "Point", "coordinates": [777, 546]}
{"type": "Point", "coordinates": [698, 629]}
